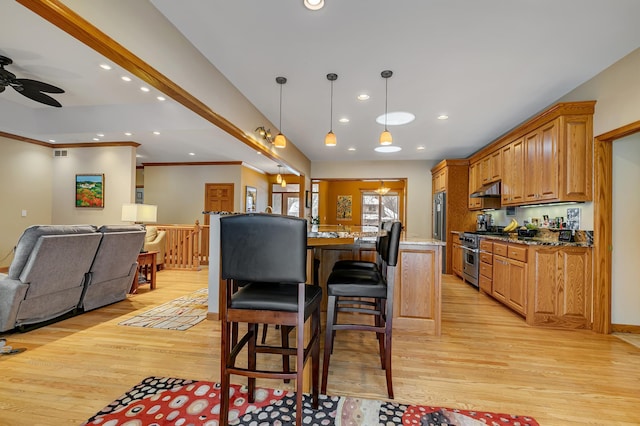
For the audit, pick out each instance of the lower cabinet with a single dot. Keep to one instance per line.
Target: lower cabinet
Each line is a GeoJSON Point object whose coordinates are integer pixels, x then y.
{"type": "Point", "coordinates": [456, 259]}
{"type": "Point", "coordinates": [485, 281]}
{"type": "Point", "coordinates": [510, 276]}
{"type": "Point", "coordinates": [560, 287]}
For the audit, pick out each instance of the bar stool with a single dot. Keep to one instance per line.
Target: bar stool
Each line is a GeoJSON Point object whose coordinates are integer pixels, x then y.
{"type": "Point", "coordinates": [268, 253]}
{"type": "Point", "coordinates": [364, 292]}
{"type": "Point", "coordinates": [364, 264]}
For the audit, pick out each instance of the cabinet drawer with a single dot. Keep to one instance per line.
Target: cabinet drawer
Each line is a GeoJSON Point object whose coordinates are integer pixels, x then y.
{"type": "Point", "coordinates": [486, 270]}
{"type": "Point", "coordinates": [486, 257]}
{"type": "Point", "coordinates": [500, 249]}
{"type": "Point", "coordinates": [486, 245]}
{"type": "Point", "coordinates": [517, 253]}
{"type": "Point", "coordinates": [486, 284]}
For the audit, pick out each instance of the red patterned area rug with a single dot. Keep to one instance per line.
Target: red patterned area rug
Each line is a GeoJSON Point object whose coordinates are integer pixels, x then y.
{"type": "Point", "coordinates": [170, 401]}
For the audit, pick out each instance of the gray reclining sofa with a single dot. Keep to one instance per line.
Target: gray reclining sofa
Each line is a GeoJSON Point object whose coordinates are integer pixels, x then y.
{"type": "Point", "coordinates": [59, 269]}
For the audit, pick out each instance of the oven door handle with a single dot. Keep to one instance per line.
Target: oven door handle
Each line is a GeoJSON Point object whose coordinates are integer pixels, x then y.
{"type": "Point", "coordinates": [470, 249]}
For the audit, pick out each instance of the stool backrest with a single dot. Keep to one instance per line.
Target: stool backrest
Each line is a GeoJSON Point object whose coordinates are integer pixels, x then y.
{"type": "Point", "coordinates": [261, 247]}
{"type": "Point", "coordinates": [390, 251]}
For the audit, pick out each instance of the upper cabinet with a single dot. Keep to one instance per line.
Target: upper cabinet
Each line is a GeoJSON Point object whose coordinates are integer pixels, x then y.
{"type": "Point", "coordinates": [439, 180]}
{"type": "Point", "coordinates": [547, 159]}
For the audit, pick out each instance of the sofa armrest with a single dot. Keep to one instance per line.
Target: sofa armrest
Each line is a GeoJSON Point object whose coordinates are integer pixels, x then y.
{"type": "Point", "coordinates": [11, 291]}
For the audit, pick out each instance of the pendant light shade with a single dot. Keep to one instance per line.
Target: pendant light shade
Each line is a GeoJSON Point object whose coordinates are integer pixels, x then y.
{"type": "Point", "coordinates": [330, 139]}
{"type": "Point", "coordinates": [279, 176]}
{"type": "Point", "coordinates": [385, 136]}
{"type": "Point", "coordinates": [280, 141]}
{"type": "Point", "coordinates": [283, 183]}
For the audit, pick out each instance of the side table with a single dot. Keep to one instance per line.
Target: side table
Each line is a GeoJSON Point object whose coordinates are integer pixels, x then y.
{"type": "Point", "coordinates": [147, 265]}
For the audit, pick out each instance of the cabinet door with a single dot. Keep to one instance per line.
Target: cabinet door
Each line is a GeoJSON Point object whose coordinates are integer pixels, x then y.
{"type": "Point", "coordinates": [560, 288]}
{"type": "Point", "coordinates": [512, 173]}
{"type": "Point", "coordinates": [547, 167]}
{"type": "Point", "coordinates": [440, 181]}
{"type": "Point", "coordinates": [500, 278]}
{"type": "Point", "coordinates": [475, 183]}
{"type": "Point", "coordinates": [531, 165]}
{"type": "Point", "coordinates": [456, 259]}
{"type": "Point", "coordinates": [517, 286]}
{"type": "Point", "coordinates": [495, 173]}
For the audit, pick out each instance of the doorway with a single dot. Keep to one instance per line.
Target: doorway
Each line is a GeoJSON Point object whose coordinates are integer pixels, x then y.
{"type": "Point", "coordinates": [602, 226]}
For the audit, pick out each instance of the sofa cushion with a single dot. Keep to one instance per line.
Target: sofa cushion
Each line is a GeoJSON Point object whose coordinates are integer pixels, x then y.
{"type": "Point", "coordinates": [29, 238]}
{"type": "Point", "coordinates": [152, 233]}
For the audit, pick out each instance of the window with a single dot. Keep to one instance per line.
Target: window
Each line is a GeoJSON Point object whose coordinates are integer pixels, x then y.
{"type": "Point", "coordinates": [379, 208]}
{"type": "Point", "coordinates": [315, 198]}
{"type": "Point", "coordinates": [286, 200]}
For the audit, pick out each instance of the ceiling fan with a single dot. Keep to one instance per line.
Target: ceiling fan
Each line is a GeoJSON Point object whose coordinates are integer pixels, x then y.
{"type": "Point", "coordinates": [32, 89]}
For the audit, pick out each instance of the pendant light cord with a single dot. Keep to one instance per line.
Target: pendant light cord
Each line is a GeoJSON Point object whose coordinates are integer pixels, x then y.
{"type": "Point", "coordinates": [386, 97]}
{"type": "Point", "coordinates": [331, 110]}
{"type": "Point", "coordinates": [280, 125]}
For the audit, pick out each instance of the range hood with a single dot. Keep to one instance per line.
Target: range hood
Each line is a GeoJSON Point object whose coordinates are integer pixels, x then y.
{"type": "Point", "coordinates": [491, 190]}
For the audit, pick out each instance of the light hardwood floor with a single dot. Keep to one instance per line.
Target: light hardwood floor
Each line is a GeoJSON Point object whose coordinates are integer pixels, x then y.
{"type": "Point", "coordinates": [486, 359]}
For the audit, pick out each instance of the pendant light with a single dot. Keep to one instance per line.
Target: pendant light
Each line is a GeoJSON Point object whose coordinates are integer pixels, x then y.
{"type": "Point", "coordinates": [330, 139]}
{"type": "Point", "coordinates": [385, 137]}
{"type": "Point", "coordinates": [280, 141]}
{"type": "Point", "coordinates": [279, 176]}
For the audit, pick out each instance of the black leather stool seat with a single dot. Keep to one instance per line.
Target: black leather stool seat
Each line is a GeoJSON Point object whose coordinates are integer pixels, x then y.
{"type": "Point", "coordinates": [356, 283]}
{"type": "Point", "coordinates": [273, 297]}
{"type": "Point", "coordinates": [355, 264]}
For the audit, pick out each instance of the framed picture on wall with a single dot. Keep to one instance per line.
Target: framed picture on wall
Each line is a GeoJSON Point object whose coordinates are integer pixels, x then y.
{"type": "Point", "coordinates": [90, 191]}
{"type": "Point", "coordinates": [250, 199]}
{"type": "Point", "coordinates": [343, 207]}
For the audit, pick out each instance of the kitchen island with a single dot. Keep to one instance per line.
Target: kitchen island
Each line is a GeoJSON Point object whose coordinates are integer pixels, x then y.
{"type": "Point", "coordinates": [417, 276]}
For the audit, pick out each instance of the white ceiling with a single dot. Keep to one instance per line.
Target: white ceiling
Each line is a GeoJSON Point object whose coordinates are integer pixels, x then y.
{"type": "Point", "coordinates": [487, 64]}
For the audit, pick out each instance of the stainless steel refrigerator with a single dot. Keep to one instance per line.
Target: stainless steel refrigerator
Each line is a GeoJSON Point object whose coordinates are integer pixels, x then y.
{"type": "Point", "coordinates": [439, 223]}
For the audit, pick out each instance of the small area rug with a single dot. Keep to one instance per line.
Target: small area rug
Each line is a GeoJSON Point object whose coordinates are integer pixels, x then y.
{"type": "Point", "coordinates": [171, 401]}
{"type": "Point", "coordinates": [179, 314]}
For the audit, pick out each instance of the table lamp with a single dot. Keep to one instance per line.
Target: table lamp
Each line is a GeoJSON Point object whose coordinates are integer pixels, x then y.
{"type": "Point", "coordinates": [139, 213]}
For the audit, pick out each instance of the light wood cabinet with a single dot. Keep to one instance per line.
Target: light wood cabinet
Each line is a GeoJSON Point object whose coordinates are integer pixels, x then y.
{"type": "Point", "coordinates": [457, 258]}
{"type": "Point", "coordinates": [439, 180]}
{"type": "Point", "coordinates": [485, 281]}
{"type": "Point", "coordinates": [491, 170]}
{"type": "Point", "coordinates": [475, 183]}
{"type": "Point", "coordinates": [560, 291]}
{"type": "Point", "coordinates": [510, 276]}
{"type": "Point", "coordinates": [512, 173]}
{"type": "Point", "coordinates": [541, 163]}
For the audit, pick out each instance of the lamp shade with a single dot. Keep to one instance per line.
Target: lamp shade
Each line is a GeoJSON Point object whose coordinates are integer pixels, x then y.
{"type": "Point", "coordinates": [330, 139]}
{"type": "Point", "coordinates": [139, 213]}
{"type": "Point", "coordinates": [385, 138]}
{"type": "Point", "coordinates": [280, 141]}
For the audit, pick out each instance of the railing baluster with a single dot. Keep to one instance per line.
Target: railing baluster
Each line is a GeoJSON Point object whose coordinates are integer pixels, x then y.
{"type": "Point", "coordinates": [186, 246]}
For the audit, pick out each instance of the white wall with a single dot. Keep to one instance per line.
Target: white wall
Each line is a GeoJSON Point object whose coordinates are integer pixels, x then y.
{"type": "Point", "coordinates": [117, 163]}
{"type": "Point", "coordinates": [417, 173]}
{"type": "Point", "coordinates": [259, 181]}
{"type": "Point", "coordinates": [625, 306]}
{"type": "Point", "coordinates": [178, 191]}
{"type": "Point", "coordinates": [25, 184]}
{"type": "Point", "coordinates": [617, 92]}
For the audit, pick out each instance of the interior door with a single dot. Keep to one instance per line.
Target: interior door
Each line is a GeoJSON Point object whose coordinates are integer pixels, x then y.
{"type": "Point", "coordinates": [218, 197]}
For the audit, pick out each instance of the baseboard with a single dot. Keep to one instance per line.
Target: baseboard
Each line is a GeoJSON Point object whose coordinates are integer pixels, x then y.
{"type": "Point", "coordinates": [624, 328]}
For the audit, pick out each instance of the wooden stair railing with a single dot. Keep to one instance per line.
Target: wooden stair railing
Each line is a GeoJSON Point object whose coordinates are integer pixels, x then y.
{"type": "Point", "coordinates": [185, 246]}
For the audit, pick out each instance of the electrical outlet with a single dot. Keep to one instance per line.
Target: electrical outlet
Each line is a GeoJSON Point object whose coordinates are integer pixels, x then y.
{"type": "Point", "coordinates": [24, 213]}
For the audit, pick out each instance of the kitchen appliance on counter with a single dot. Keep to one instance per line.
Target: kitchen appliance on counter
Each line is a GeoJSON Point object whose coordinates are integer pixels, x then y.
{"type": "Point", "coordinates": [439, 222]}
{"type": "Point", "coordinates": [483, 222]}
{"type": "Point", "coordinates": [470, 257]}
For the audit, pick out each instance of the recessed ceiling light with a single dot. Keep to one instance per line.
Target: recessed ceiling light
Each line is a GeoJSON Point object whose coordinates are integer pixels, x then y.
{"type": "Point", "coordinates": [420, 148]}
{"type": "Point", "coordinates": [443, 117]}
{"type": "Point", "coordinates": [313, 4]}
{"type": "Point", "coordinates": [144, 89]}
{"type": "Point", "coordinates": [96, 139]}
{"type": "Point", "coordinates": [126, 78]}
{"type": "Point", "coordinates": [52, 140]}
{"type": "Point", "coordinates": [100, 135]}
{"type": "Point", "coordinates": [192, 153]}
{"type": "Point", "coordinates": [351, 148]}
{"type": "Point", "coordinates": [363, 97]}
{"type": "Point", "coordinates": [105, 66]}
{"type": "Point", "coordinates": [156, 132]}
{"type": "Point", "coordinates": [344, 120]}
{"type": "Point", "coordinates": [388, 148]}
{"type": "Point", "coordinates": [396, 118]}
{"type": "Point", "coordinates": [138, 156]}
{"type": "Point", "coordinates": [128, 133]}
{"type": "Point", "coordinates": [161, 98]}
{"type": "Point", "coordinates": [258, 152]}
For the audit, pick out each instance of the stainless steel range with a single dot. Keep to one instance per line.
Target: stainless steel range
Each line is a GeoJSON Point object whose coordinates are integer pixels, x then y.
{"type": "Point", "coordinates": [470, 257]}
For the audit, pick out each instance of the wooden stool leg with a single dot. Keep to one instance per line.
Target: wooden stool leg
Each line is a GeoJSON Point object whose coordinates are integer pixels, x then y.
{"type": "Point", "coordinates": [328, 341]}
{"type": "Point", "coordinates": [251, 355]}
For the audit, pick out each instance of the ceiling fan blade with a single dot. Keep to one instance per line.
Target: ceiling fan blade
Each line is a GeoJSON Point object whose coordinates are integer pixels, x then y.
{"type": "Point", "coordinates": [37, 96]}
{"type": "Point", "coordinates": [38, 86]}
